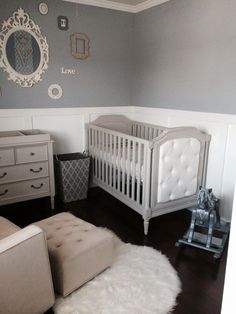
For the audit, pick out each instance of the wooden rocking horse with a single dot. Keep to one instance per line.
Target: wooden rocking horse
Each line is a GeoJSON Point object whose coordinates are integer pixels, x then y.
{"type": "Point", "coordinates": [206, 217]}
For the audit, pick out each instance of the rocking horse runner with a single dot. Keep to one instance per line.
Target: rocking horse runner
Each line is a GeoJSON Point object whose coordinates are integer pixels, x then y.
{"type": "Point", "coordinates": [207, 216]}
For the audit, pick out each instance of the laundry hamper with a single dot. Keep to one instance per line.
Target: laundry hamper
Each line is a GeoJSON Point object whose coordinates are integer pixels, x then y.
{"type": "Point", "coordinates": [72, 174]}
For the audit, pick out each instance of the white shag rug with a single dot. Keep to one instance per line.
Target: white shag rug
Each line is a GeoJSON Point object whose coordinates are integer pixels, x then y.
{"type": "Point", "coordinates": [140, 281]}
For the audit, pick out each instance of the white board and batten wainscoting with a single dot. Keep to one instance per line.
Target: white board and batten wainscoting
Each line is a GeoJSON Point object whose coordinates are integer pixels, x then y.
{"type": "Point", "coordinates": [67, 128]}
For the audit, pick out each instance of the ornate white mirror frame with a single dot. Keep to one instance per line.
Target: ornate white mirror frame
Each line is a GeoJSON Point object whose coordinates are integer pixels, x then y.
{"type": "Point", "coordinates": [21, 22]}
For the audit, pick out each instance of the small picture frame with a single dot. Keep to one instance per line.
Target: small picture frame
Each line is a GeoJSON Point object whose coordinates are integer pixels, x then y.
{"type": "Point", "coordinates": [79, 46]}
{"type": "Point", "coordinates": [63, 23]}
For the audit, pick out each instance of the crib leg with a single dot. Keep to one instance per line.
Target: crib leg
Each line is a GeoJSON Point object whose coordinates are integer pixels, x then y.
{"type": "Point", "coordinates": [146, 225]}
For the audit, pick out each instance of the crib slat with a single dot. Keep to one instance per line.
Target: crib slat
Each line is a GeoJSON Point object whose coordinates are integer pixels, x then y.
{"type": "Point", "coordinates": [133, 169]}
{"type": "Point", "coordinates": [127, 165]}
{"type": "Point", "coordinates": [146, 175]}
{"type": "Point", "coordinates": [95, 151]}
{"type": "Point", "coordinates": [114, 161]}
{"type": "Point", "coordinates": [123, 166]}
{"type": "Point", "coordinates": [102, 155]}
{"type": "Point", "coordinates": [145, 133]}
{"type": "Point", "coordinates": [133, 130]}
{"type": "Point", "coordinates": [106, 158]}
{"type": "Point", "coordinates": [139, 173]}
{"type": "Point", "coordinates": [99, 147]}
{"type": "Point", "coordinates": [94, 154]}
{"type": "Point", "coordinates": [118, 163]}
{"type": "Point", "coordinates": [90, 138]}
{"type": "Point", "coordinates": [98, 151]}
{"type": "Point", "coordinates": [110, 159]}
{"type": "Point", "coordinates": [155, 133]}
{"type": "Point", "coordinates": [98, 159]}
{"type": "Point", "coordinates": [150, 134]}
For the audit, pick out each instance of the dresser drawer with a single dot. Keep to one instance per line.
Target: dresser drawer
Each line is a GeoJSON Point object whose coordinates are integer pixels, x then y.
{"type": "Point", "coordinates": [23, 189]}
{"type": "Point", "coordinates": [31, 154]}
{"type": "Point", "coordinates": [7, 157]}
{"type": "Point", "coordinates": [23, 172]}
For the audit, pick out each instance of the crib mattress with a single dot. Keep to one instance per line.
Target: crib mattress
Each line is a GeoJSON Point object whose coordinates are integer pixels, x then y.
{"type": "Point", "coordinates": [125, 161]}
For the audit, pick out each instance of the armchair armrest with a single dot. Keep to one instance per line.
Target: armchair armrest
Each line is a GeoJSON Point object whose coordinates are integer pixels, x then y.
{"type": "Point", "coordinates": [26, 282]}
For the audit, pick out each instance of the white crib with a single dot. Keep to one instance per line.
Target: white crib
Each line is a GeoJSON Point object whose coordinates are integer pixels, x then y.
{"type": "Point", "coordinates": [154, 170]}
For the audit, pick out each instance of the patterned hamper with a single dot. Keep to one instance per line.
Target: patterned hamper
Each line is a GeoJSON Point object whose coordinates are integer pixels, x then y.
{"type": "Point", "coordinates": [72, 174]}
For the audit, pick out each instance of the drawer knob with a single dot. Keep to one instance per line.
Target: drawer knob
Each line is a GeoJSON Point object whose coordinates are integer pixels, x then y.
{"type": "Point", "coordinates": [37, 187]}
{"type": "Point", "coordinates": [32, 154]}
{"type": "Point", "coordinates": [3, 175]}
{"type": "Point", "coordinates": [36, 171]}
{"type": "Point", "coordinates": [4, 193]}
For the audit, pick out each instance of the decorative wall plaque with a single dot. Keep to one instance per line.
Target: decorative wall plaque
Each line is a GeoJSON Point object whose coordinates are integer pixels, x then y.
{"type": "Point", "coordinates": [63, 23]}
{"type": "Point", "coordinates": [23, 50]}
{"type": "Point", "coordinates": [68, 71]}
{"type": "Point", "coordinates": [79, 45]}
{"type": "Point", "coordinates": [43, 8]}
{"type": "Point", "coordinates": [55, 91]}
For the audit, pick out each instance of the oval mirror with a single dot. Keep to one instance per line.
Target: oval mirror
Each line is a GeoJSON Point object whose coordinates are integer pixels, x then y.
{"type": "Point", "coordinates": [24, 50]}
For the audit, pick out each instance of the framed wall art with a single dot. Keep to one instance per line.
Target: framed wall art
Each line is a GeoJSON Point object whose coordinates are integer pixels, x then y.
{"type": "Point", "coordinates": [79, 46]}
{"type": "Point", "coordinates": [63, 23]}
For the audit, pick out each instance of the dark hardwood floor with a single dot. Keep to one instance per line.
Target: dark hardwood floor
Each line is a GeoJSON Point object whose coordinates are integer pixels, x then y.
{"type": "Point", "coordinates": [201, 275]}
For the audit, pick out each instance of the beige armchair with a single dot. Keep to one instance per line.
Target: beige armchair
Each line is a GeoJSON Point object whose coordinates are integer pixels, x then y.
{"type": "Point", "coordinates": [25, 275]}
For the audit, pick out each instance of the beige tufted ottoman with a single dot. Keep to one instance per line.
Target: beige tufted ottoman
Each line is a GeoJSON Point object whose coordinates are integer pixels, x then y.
{"type": "Point", "coordinates": [78, 250]}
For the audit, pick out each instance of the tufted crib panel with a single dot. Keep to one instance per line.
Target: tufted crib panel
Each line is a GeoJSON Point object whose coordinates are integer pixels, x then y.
{"type": "Point", "coordinates": [153, 169]}
{"type": "Point", "coordinates": [179, 162]}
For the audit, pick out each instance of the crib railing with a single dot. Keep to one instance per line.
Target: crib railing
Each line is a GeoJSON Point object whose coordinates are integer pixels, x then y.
{"type": "Point", "coordinates": [122, 163]}
{"type": "Point", "coordinates": [146, 131]}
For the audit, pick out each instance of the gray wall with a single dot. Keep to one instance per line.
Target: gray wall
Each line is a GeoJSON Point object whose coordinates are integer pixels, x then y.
{"type": "Point", "coordinates": [179, 55]}
{"type": "Point", "coordinates": [104, 78]}
{"type": "Point", "coordinates": [186, 56]}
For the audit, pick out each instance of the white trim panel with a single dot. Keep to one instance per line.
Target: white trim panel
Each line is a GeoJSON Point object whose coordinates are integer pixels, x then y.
{"type": "Point", "coordinates": [66, 125]}
{"type": "Point", "coordinates": [120, 6]}
{"type": "Point", "coordinates": [147, 5]}
{"type": "Point", "coordinates": [230, 275]}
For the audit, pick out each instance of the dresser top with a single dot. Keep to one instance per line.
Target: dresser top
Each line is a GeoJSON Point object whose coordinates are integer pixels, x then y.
{"type": "Point", "coordinates": [23, 137]}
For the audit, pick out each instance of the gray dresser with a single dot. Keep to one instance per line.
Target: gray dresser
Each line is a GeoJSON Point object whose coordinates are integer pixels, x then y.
{"type": "Point", "coordinates": [26, 166]}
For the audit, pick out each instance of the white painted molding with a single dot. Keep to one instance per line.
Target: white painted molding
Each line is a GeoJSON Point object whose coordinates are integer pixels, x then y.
{"type": "Point", "coordinates": [106, 4]}
{"type": "Point", "coordinates": [230, 275]}
{"type": "Point", "coordinates": [120, 6]}
{"type": "Point", "coordinates": [147, 5]}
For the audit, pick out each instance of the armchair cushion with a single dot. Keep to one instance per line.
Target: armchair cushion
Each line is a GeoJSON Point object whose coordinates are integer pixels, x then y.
{"type": "Point", "coordinates": [7, 228]}
{"type": "Point", "coordinates": [26, 283]}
